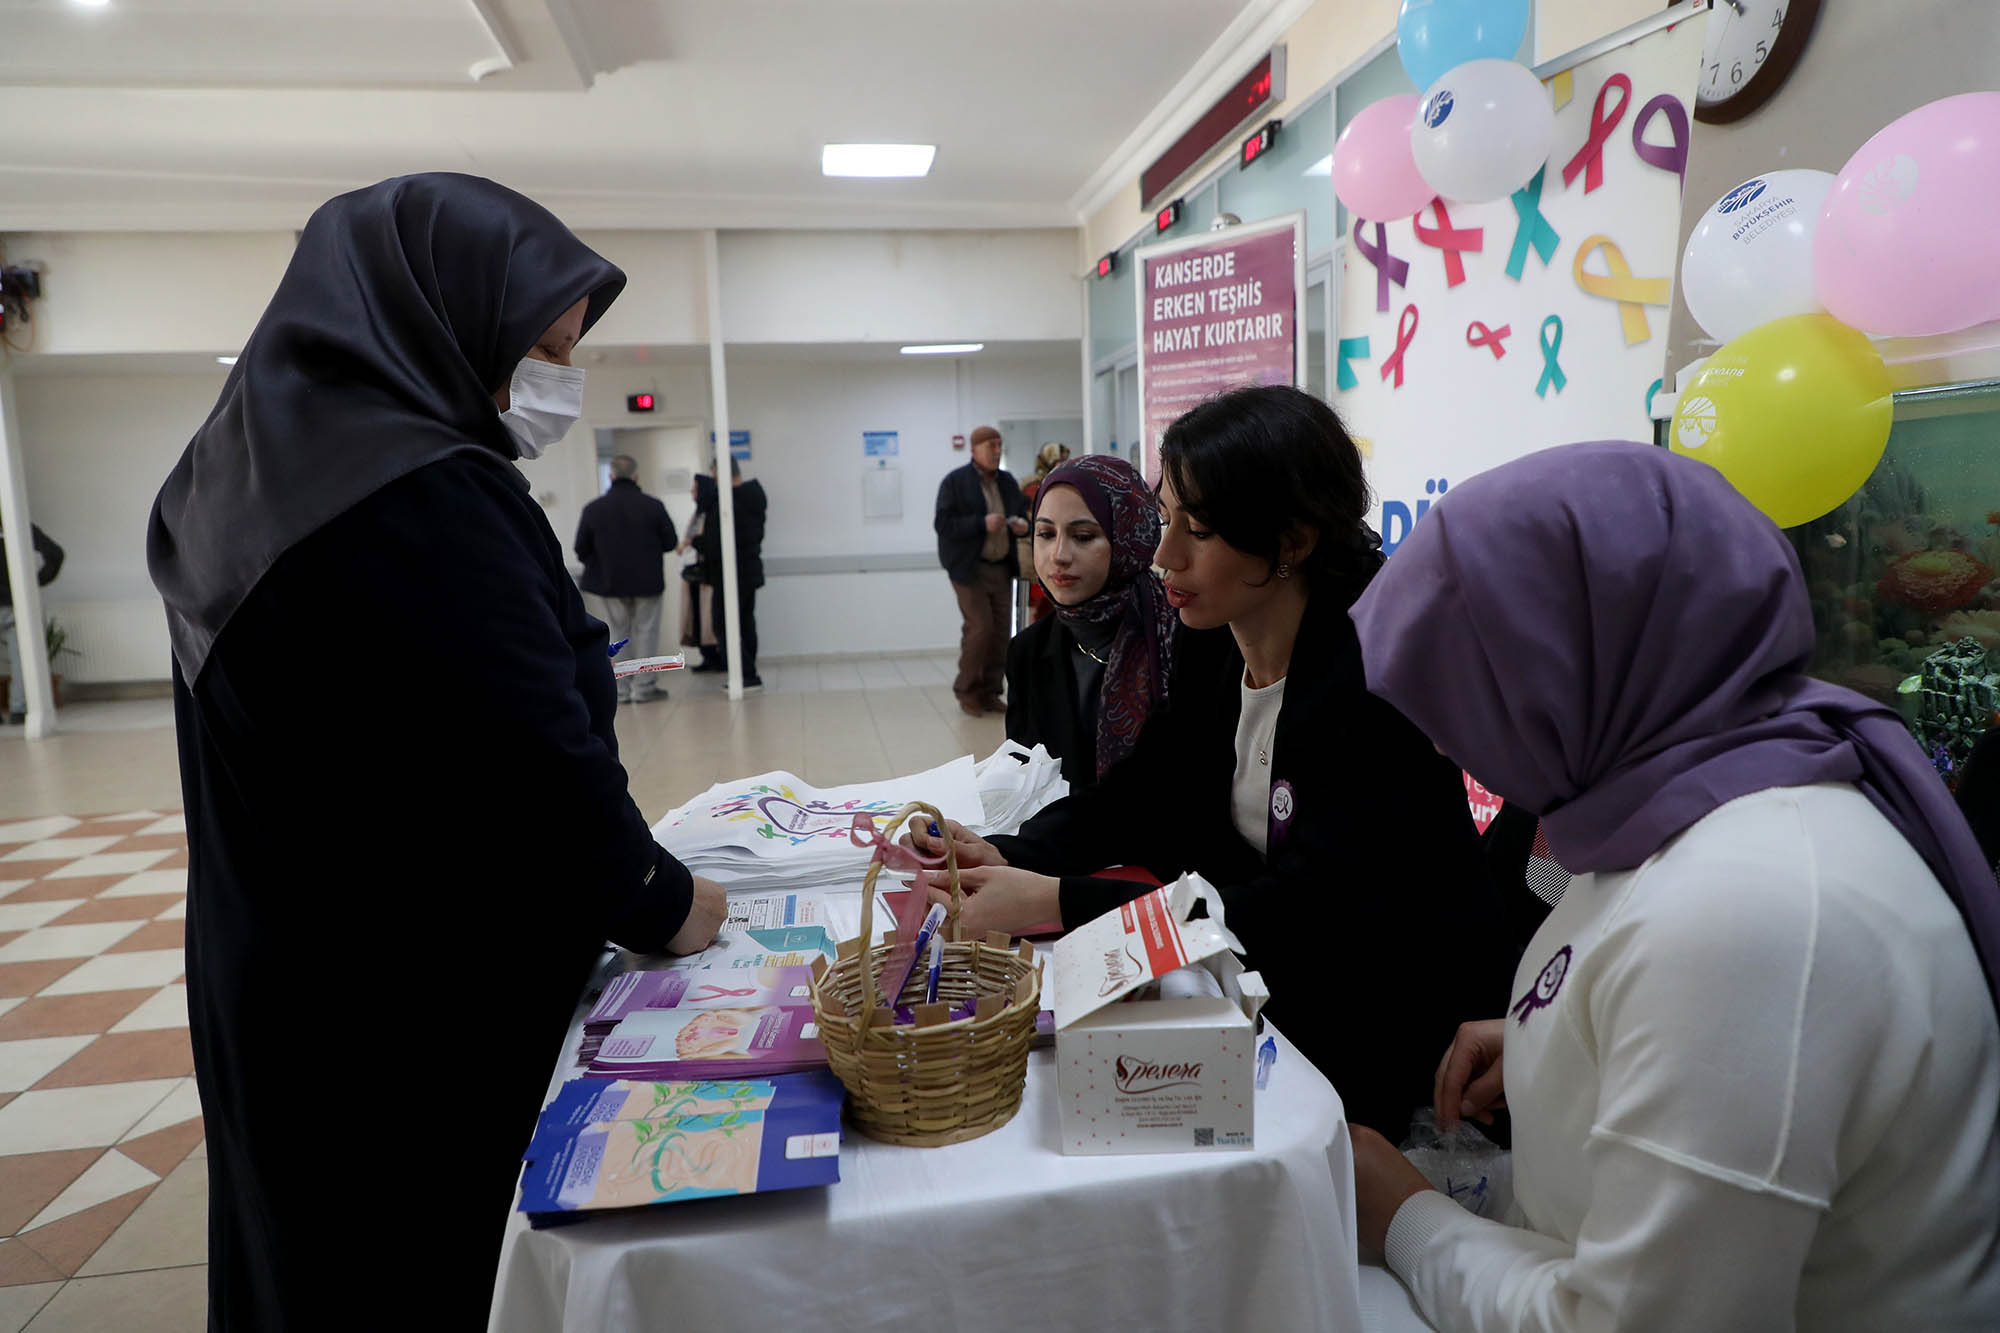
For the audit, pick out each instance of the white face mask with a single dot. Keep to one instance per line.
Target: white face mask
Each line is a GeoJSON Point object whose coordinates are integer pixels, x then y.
{"type": "Point", "coordinates": [544, 401]}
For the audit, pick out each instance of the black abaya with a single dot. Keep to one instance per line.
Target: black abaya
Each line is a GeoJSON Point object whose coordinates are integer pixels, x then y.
{"type": "Point", "coordinates": [408, 828]}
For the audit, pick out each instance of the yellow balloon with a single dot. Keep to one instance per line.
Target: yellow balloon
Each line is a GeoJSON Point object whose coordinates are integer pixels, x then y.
{"type": "Point", "coordinates": [1795, 413]}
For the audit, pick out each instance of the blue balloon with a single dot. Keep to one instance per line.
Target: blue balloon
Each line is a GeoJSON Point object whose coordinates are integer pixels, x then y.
{"type": "Point", "coordinates": [1433, 36]}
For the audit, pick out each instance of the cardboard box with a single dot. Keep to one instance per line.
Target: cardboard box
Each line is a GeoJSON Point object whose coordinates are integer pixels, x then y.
{"type": "Point", "coordinates": [1155, 1075]}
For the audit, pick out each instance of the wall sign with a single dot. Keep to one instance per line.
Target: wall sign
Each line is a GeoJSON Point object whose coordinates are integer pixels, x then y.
{"type": "Point", "coordinates": [1218, 311]}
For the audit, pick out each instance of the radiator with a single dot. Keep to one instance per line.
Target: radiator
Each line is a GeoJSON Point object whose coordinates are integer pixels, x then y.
{"type": "Point", "coordinates": [113, 641]}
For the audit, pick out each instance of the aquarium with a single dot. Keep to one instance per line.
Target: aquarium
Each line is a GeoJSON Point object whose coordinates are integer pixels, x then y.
{"type": "Point", "coordinates": [1905, 577]}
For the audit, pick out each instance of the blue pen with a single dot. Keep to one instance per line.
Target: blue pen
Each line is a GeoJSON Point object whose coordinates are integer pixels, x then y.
{"type": "Point", "coordinates": [1267, 1055]}
{"type": "Point", "coordinates": [937, 965]}
{"type": "Point", "coordinates": [616, 646]}
{"type": "Point", "coordinates": [933, 922]}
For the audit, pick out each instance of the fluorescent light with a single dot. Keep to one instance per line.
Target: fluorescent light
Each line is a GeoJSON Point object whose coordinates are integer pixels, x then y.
{"type": "Point", "coordinates": [90, 4]}
{"type": "Point", "coordinates": [876, 159]}
{"type": "Point", "coordinates": [941, 349]}
{"type": "Point", "coordinates": [226, 360]}
{"type": "Point", "coordinates": [1323, 167]}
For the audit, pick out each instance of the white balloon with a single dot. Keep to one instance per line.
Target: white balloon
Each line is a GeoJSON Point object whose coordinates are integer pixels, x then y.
{"type": "Point", "coordinates": [1482, 131]}
{"type": "Point", "coordinates": [1749, 260]}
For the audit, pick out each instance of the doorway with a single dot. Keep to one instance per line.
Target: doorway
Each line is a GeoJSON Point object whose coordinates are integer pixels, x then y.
{"type": "Point", "coordinates": [668, 457]}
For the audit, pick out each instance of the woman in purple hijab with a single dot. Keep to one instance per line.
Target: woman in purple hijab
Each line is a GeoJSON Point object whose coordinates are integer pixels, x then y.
{"type": "Point", "coordinates": [1753, 1062]}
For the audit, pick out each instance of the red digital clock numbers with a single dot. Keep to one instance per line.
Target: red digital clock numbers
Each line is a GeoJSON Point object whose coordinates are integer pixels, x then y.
{"type": "Point", "coordinates": [1259, 143]}
{"type": "Point", "coordinates": [638, 402]}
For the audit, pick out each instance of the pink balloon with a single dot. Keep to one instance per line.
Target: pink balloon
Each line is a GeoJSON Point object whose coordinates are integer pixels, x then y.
{"type": "Point", "coordinates": [1374, 172]}
{"type": "Point", "coordinates": [1905, 242]}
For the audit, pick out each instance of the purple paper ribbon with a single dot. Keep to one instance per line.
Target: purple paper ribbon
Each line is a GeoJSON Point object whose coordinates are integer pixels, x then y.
{"type": "Point", "coordinates": [1388, 268]}
{"type": "Point", "coordinates": [1672, 157]}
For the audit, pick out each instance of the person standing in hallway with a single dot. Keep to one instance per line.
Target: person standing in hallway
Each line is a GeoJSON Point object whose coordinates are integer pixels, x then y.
{"type": "Point", "coordinates": [49, 557]}
{"type": "Point", "coordinates": [980, 511]}
{"type": "Point", "coordinates": [623, 538]}
{"type": "Point", "coordinates": [751, 506]}
{"type": "Point", "coordinates": [460, 790]}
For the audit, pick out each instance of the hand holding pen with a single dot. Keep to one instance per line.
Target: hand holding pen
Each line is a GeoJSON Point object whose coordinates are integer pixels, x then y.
{"type": "Point", "coordinates": [972, 849]}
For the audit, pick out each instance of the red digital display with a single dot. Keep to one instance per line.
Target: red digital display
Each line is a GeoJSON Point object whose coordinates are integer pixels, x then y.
{"type": "Point", "coordinates": [1250, 95]}
{"type": "Point", "coordinates": [1167, 216]}
{"type": "Point", "coordinates": [639, 402]}
{"type": "Point", "coordinates": [1106, 264]}
{"type": "Point", "coordinates": [1259, 143]}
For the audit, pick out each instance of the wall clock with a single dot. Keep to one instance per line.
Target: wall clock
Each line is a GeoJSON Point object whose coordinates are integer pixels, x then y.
{"type": "Point", "coordinates": [1751, 48]}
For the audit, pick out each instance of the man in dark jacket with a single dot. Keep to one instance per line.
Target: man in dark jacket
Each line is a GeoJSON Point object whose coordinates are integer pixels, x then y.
{"type": "Point", "coordinates": [750, 503]}
{"type": "Point", "coordinates": [622, 539]}
{"type": "Point", "coordinates": [979, 513]}
{"type": "Point", "coordinates": [49, 558]}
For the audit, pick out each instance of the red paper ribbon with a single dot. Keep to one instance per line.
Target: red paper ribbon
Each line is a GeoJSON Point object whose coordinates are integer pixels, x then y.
{"type": "Point", "coordinates": [1478, 335]}
{"type": "Point", "coordinates": [1589, 159]}
{"type": "Point", "coordinates": [1406, 332]}
{"type": "Point", "coordinates": [1452, 240]}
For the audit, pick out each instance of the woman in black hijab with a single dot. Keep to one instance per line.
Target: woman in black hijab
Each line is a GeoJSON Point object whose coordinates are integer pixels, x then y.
{"type": "Point", "coordinates": [409, 831]}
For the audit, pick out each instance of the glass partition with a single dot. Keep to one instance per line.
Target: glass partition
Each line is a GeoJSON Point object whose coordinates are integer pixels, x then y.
{"type": "Point", "coordinates": [1905, 577]}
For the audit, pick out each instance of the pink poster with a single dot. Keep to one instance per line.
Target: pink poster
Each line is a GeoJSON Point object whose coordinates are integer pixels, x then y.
{"type": "Point", "coordinates": [1215, 314]}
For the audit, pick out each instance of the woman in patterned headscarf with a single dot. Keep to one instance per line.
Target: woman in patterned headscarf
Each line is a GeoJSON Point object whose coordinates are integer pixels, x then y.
{"type": "Point", "coordinates": [1083, 682]}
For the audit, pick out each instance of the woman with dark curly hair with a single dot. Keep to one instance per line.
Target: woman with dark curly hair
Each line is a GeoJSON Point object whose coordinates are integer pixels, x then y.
{"type": "Point", "coordinates": [1339, 839]}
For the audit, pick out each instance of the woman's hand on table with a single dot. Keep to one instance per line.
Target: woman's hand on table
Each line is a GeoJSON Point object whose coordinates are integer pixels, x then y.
{"type": "Point", "coordinates": [972, 849]}
{"type": "Point", "coordinates": [1001, 897]}
{"type": "Point", "coordinates": [1383, 1181]}
{"type": "Point", "coordinates": [706, 913]}
{"type": "Point", "coordinates": [1469, 1080]}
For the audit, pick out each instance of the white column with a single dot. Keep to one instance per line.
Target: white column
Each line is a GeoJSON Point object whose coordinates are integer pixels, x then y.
{"type": "Point", "coordinates": [22, 564]}
{"type": "Point", "coordinates": [725, 500]}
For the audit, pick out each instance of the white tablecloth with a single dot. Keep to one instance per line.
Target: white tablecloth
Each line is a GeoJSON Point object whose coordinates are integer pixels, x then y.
{"type": "Point", "coordinates": [1001, 1233]}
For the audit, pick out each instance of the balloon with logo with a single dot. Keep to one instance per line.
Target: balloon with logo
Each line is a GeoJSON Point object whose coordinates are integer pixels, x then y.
{"type": "Point", "coordinates": [1433, 36]}
{"type": "Point", "coordinates": [1750, 258]}
{"type": "Point", "coordinates": [1795, 413]}
{"type": "Point", "coordinates": [1905, 242]}
{"type": "Point", "coordinates": [1483, 131]}
{"type": "Point", "coordinates": [1373, 172]}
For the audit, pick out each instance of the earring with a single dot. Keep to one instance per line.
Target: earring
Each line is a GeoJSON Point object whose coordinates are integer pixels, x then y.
{"type": "Point", "coordinates": [1284, 570]}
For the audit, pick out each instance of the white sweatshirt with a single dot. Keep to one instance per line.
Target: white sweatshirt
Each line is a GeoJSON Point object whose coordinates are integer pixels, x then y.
{"type": "Point", "coordinates": [1755, 1085]}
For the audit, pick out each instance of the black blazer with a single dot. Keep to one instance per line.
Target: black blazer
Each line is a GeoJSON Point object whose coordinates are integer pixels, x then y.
{"type": "Point", "coordinates": [622, 537]}
{"type": "Point", "coordinates": [751, 506]}
{"type": "Point", "coordinates": [961, 521]}
{"type": "Point", "coordinates": [1041, 700]}
{"type": "Point", "coordinates": [1371, 918]}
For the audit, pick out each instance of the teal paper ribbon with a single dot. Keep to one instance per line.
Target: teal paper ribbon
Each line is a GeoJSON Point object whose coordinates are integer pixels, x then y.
{"type": "Point", "coordinates": [1351, 349]}
{"type": "Point", "coordinates": [1530, 228]}
{"type": "Point", "coordinates": [1552, 373]}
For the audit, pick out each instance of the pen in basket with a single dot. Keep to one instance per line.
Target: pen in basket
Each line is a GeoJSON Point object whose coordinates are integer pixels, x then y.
{"type": "Point", "coordinates": [933, 922]}
{"type": "Point", "coordinates": [937, 966]}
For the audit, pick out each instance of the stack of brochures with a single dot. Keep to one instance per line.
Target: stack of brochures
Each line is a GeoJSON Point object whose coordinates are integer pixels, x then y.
{"type": "Point", "coordinates": [617, 1145]}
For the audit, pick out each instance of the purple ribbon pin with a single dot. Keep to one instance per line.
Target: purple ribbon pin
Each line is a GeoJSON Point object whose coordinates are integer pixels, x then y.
{"type": "Point", "coordinates": [1543, 992]}
{"type": "Point", "coordinates": [1388, 268]}
{"type": "Point", "coordinates": [1670, 157]}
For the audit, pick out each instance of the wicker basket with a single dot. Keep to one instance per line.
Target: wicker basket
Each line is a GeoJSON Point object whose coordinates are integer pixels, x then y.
{"type": "Point", "coordinates": [939, 1080]}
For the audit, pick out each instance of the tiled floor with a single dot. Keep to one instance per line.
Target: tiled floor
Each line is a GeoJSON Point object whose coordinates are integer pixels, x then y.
{"type": "Point", "coordinates": [103, 1172]}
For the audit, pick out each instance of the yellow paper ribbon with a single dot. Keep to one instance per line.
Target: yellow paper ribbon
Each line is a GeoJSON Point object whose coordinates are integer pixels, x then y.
{"type": "Point", "coordinates": [1632, 294]}
{"type": "Point", "coordinates": [1563, 86]}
